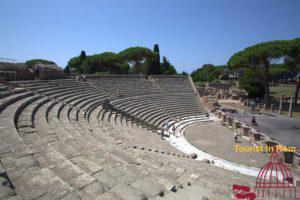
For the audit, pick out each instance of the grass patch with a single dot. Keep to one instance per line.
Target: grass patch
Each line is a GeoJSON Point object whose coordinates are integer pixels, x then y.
{"type": "Point", "coordinates": [286, 90]}
{"type": "Point", "coordinates": [200, 84]}
{"type": "Point", "coordinates": [296, 111]}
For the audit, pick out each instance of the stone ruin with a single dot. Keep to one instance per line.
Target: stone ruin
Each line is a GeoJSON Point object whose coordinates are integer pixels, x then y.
{"type": "Point", "coordinates": [21, 71]}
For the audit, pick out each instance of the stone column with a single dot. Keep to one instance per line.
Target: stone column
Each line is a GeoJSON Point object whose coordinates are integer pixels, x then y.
{"type": "Point", "coordinates": [280, 104]}
{"type": "Point", "coordinates": [288, 157]}
{"type": "Point", "coordinates": [291, 106]}
{"type": "Point", "coordinates": [256, 136]}
{"type": "Point", "coordinates": [236, 124]}
{"type": "Point", "coordinates": [271, 109]}
{"type": "Point", "coordinates": [223, 118]}
{"type": "Point", "coordinates": [265, 106]}
{"type": "Point", "coordinates": [229, 121]}
{"type": "Point", "coordinates": [245, 130]}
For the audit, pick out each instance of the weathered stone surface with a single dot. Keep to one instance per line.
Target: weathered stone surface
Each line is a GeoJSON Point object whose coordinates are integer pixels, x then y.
{"type": "Point", "coordinates": [6, 192]}
{"type": "Point", "coordinates": [127, 192]}
{"type": "Point", "coordinates": [5, 148]}
{"type": "Point", "coordinates": [71, 196]}
{"type": "Point", "coordinates": [20, 150]}
{"type": "Point", "coordinates": [15, 168]}
{"type": "Point", "coordinates": [24, 124]}
{"type": "Point", "coordinates": [26, 161]}
{"type": "Point", "coordinates": [180, 170]}
{"type": "Point", "coordinates": [72, 148]}
{"type": "Point", "coordinates": [86, 164]}
{"type": "Point", "coordinates": [110, 177]}
{"type": "Point", "coordinates": [150, 188]}
{"type": "Point", "coordinates": [195, 176]}
{"type": "Point", "coordinates": [194, 192]}
{"type": "Point", "coordinates": [108, 196]}
{"type": "Point", "coordinates": [184, 181]}
{"type": "Point", "coordinates": [168, 185]}
{"type": "Point", "coordinates": [15, 198]}
{"type": "Point", "coordinates": [42, 182]}
{"type": "Point", "coordinates": [4, 182]}
{"type": "Point", "coordinates": [5, 189]}
{"type": "Point", "coordinates": [2, 171]}
{"type": "Point", "coordinates": [91, 191]}
{"type": "Point", "coordinates": [82, 181]}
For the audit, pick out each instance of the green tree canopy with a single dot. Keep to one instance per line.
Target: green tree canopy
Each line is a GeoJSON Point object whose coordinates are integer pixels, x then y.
{"type": "Point", "coordinates": [130, 60]}
{"type": "Point", "coordinates": [155, 67]}
{"type": "Point", "coordinates": [292, 60]}
{"type": "Point", "coordinates": [74, 64]}
{"type": "Point", "coordinates": [32, 62]}
{"type": "Point", "coordinates": [105, 62]}
{"type": "Point", "coordinates": [77, 64]}
{"type": "Point", "coordinates": [208, 72]}
{"type": "Point", "coordinates": [280, 71]}
{"type": "Point", "coordinates": [135, 56]}
{"type": "Point", "coordinates": [184, 73]}
{"type": "Point", "coordinates": [259, 58]}
{"type": "Point", "coordinates": [82, 56]}
{"type": "Point", "coordinates": [166, 67]}
{"type": "Point", "coordinates": [253, 85]}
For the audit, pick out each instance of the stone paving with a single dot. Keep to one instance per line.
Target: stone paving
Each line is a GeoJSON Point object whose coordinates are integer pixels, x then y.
{"type": "Point", "coordinates": [281, 128]}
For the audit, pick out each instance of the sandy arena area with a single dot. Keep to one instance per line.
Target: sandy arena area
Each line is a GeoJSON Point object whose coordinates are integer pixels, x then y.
{"type": "Point", "coordinates": [217, 140]}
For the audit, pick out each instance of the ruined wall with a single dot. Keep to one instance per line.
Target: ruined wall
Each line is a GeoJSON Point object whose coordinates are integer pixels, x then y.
{"type": "Point", "coordinates": [20, 71]}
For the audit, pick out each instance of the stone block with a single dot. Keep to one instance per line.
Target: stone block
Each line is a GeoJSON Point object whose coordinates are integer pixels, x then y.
{"type": "Point", "coordinates": [86, 164]}
{"type": "Point", "coordinates": [82, 181]}
{"type": "Point", "coordinates": [2, 171]}
{"type": "Point", "coordinates": [256, 136]}
{"type": "Point", "coordinates": [127, 192]}
{"type": "Point", "coordinates": [193, 155]}
{"type": "Point", "coordinates": [180, 170]}
{"type": "Point", "coordinates": [108, 196]}
{"type": "Point", "coordinates": [195, 176]}
{"type": "Point", "coordinates": [92, 191]}
{"type": "Point", "coordinates": [6, 192]}
{"type": "Point", "coordinates": [148, 187]}
{"type": "Point", "coordinates": [168, 185]}
{"type": "Point", "coordinates": [245, 130]}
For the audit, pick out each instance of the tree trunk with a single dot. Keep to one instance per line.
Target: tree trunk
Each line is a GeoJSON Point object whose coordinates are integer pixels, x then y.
{"type": "Point", "coordinates": [137, 68]}
{"type": "Point", "coordinates": [297, 91]}
{"type": "Point", "coordinates": [267, 88]}
{"type": "Point", "coordinates": [266, 80]}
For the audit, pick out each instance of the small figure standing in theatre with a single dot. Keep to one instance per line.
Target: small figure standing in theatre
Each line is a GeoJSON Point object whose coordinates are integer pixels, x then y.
{"type": "Point", "coordinates": [253, 121]}
{"type": "Point", "coordinates": [236, 134]}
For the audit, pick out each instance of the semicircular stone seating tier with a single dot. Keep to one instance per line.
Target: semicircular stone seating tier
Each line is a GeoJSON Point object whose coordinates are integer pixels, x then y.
{"type": "Point", "coordinates": [56, 141]}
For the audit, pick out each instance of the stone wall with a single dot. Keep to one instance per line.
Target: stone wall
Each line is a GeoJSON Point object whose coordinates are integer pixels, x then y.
{"type": "Point", "coordinates": [20, 71]}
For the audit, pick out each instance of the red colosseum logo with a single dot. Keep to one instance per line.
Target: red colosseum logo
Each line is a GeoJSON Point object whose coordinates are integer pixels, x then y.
{"type": "Point", "coordinates": [274, 180]}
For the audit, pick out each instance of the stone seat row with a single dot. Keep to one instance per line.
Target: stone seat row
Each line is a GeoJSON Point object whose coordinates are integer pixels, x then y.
{"type": "Point", "coordinates": [54, 146]}
{"type": "Point", "coordinates": [45, 172]}
{"type": "Point", "coordinates": [42, 173]}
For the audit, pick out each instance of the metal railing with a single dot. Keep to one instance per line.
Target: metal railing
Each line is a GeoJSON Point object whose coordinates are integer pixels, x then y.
{"type": "Point", "coordinates": [7, 60]}
{"type": "Point", "coordinates": [9, 75]}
